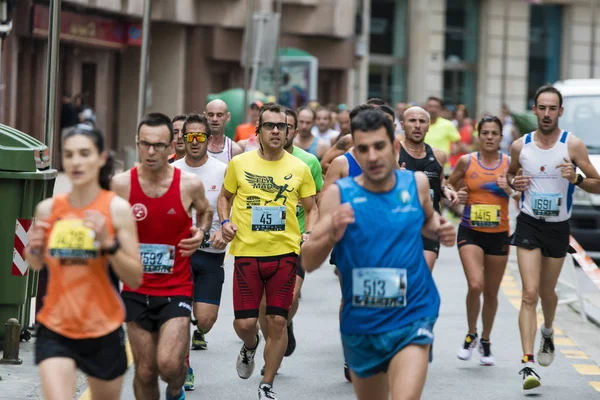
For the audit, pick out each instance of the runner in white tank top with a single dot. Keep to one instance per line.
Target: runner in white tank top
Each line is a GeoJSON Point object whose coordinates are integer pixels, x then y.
{"type": "Point", "coordinates": [549, 196]}
{"type": "Point", "coordinates": [218, 116]}
{"type": "Point", "coordinates": [225, 154]}
{"type": "Point", "coordinates": [543, 167]}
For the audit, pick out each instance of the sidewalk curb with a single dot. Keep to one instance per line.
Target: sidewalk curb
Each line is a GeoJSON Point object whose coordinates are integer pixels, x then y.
{"type": "Point", "coordinates": [593, 316]}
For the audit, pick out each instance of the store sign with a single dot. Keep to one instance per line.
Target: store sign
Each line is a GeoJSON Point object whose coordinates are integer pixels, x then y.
{"type": "Point", "coordinates": [297, 77]}
{"type": "Point", "coordinates": [87, 29]}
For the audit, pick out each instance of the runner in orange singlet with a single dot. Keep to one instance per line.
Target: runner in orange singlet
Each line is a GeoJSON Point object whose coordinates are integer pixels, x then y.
{"type": "Point", "coordinates": [75, 236]}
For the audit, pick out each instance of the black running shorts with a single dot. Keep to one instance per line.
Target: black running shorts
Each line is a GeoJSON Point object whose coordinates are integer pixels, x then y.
{"type": "Point", "coordinates": [102, 358]}
{"type": "Point", "coordinates": [551, 237]}
{"type": "Point", "coordinates": [492, 243]}
{"type": "Point", "coordinates": [151, 312]}
{"type": "Point", "coordinates": [209, 276]}
{"type": "Point", "coordinates": [431, 245]}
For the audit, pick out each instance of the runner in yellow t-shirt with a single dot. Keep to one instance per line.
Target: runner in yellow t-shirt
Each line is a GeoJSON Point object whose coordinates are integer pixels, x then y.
{"type": "Point", "coordinates": [442, 132]}
{"type": "Point", "coordinates": [260, 192]}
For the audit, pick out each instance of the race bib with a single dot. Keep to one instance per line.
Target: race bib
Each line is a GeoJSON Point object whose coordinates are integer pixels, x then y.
{"type": "Point", "coordinates": [268, 218]}
{"type": "Point", "coordinates": [379, 287]}
{"type": "Point", "coordinates": [70, 238]}
{"type": "Point", "coordinates": [546, 204]}
{"type": "Point", "coordinates": [157, 258]}
{"type": "Point", "coordinates": [485, 215]}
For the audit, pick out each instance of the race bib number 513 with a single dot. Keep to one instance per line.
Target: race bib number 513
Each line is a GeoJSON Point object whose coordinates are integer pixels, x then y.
{"type": "Point", "coordinates": [379, 287]}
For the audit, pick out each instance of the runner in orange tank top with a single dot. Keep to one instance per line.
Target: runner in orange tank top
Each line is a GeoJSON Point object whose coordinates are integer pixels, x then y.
{"type": "Point", "coordinates": [483, 235]}
{"type": "Point", "coordinates": [75, 236]}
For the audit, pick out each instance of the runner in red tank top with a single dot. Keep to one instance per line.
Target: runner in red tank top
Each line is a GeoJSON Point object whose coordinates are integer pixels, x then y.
{"type": "Point", "coordinates": [158, 313]}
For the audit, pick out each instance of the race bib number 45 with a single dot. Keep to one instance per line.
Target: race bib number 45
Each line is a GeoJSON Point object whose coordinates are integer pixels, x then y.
{"type": "Point", "coordinates": [379, 287]}
{"type": "Point", "coordinates": [268, 218]}
{"type": "Point", "coordinates": [546, 204]}
{"type": "Point", "coordinates": [485, 215]}
{"type": "Point", "coordinates": [157, 258]}
{"type": "Point", "coordinates": [71, 239]}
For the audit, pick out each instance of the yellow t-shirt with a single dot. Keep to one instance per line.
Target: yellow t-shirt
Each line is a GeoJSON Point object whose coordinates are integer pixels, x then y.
{"type": "Point", "coordinates": [442, 134]}
{"type": "Point", "coordinates": [264, 206]}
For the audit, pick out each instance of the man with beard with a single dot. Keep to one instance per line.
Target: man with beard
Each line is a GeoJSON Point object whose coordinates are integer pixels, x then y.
{"type": "Point", "coordinates": [543, 167]}
{"type": "Point", "coordinates": [390, 300]}
{"type": "Point", "coordinates": [260, 193]}
{"type": "Point", "coordinates": [416, 155]}
{"type": "Point", "coordinates": [220, 147]}
{"type": "Point", "coordinates": [317, 175]}
{"type": "Point", "coordinates": [178, 121]}
{"type": "Point", "coordinates": [206, 262]}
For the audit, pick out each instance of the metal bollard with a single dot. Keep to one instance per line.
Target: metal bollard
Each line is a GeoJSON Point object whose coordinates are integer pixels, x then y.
{"type": "Point", "coordinates": [12, 339]}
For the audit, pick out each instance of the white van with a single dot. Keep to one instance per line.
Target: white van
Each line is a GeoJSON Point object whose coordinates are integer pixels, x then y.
{"type": "Point", "coordinates": [581, 101]}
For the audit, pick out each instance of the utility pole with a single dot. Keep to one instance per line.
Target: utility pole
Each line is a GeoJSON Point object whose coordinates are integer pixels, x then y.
{"type": "Point", "coordinates": [52, 74]}
{"type": "Point", "coordinates": [248, 54]}
{"type": "Point", "coordinates": [364, 45]}
{"type": "Point", "coordinates": [144, 59]}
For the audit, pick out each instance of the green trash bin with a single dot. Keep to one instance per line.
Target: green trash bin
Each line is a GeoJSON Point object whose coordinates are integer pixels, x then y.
{"type": "Point", "coordinates": [25, 180]}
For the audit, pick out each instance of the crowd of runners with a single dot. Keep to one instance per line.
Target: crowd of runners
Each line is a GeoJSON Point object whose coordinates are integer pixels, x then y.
{"type": "Point", "coordinates": [282, 198]}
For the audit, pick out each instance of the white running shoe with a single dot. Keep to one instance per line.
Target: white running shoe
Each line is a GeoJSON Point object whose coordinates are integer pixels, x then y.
{"type": "Point", "coordinates": [265, 392]}
{"type": "Point", "coordinates": [545, 354]}
{"type": "Point", "coordinates": [465, 352]}
{"type": "Point", "coordinates": [485, 353]}
{"type": "Point", "coordinates": [531, 380]}
{"type": "Point", "coordinates": [245, 360]}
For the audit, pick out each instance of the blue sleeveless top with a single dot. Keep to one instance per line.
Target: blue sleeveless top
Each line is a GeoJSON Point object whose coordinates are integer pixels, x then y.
{"type": "Point", "coordinates": [386, 283]}
{"type": "Point", "coordinates": [353, 168]}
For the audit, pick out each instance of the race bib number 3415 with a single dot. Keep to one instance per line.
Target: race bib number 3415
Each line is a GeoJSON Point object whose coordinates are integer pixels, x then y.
{"type": "Point", "coordinates": [157, 258]}
{"type": "Point", "coordinates": [379, 287]}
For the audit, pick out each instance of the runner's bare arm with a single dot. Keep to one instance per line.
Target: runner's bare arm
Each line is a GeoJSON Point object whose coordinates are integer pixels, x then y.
{"type": "Point", "coordinates": [34, 252]}
{"type": "Point", "coordinates": [337, 170]}
{"type": "Point", "coordinates": [323, 237]}
{"type": "Point", "coordinates": [126, 261]}
{"type": "Point", "coordinates": [311, 212]}
{"type": "Point", "coordinates": [340, 147]}
{"type": "Point", "coordinates": [195, 190]}
{"type": "Point", "coordinates": [243, 143]}
{"type": "Point", "coordinates": [432, 218]}
{"type": "Point", "coordinates": [224, 201]}
{"type": "Point", "coordinates": [121, 184]}
{"type": "Point", "coordinates": [579, 155]}
{"type": "Point", "coordinates": [458, 174]}
{"type": "Point", "coordinates": [515, 165]}
{"type": "Point", "coordinates": [236, 149]}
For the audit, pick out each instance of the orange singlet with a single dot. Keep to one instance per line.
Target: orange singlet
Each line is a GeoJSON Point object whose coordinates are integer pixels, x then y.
{"type": "Point", "coordinates": [81, 302]}
{"type": "Point", "coordinates": [486, 209]}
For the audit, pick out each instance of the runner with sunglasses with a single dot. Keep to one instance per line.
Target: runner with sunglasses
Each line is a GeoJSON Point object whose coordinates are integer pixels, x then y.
{"type": "Point", "coordinates": [260, 193]}
{"type": "Point", "coordinates": [483, 235]}
{"type": "Point", "coordinates": [206, 262]}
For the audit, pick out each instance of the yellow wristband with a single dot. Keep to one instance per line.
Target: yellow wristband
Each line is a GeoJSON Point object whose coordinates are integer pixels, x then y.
{"type": "Point", "coordinates": [574, 181]}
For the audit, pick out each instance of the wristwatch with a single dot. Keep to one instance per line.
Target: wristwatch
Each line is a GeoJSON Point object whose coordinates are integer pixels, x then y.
{"type": "Point", "coordinates": [111, 251]}
{"type": "Point", "coordinates": [579, 179]}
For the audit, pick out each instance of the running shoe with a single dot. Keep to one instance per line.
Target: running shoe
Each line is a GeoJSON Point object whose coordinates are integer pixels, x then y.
{"type": "Point", "coordinates": [485, 353]}
{"type": "Point", "coordinates": [245, 361]}
{"type": "Point", "coordinates": [198, 341]}
{"type": "Point", "coordinates": [347, 373]}
{"type": "Point", "coordinates": [545, 354]}
{"type": "Point", "coordinates": [291, 344]}
{"type": "Point", "coordinates": [531, 380]}
{"type": "Point", "coordinates": [265, 392]}
{"type": "Point", "coordinates": [180, 397]}
{"type": "Point", "coordinates": [189, 380]}
{"type": "Point", "coordinates": [465, 352]}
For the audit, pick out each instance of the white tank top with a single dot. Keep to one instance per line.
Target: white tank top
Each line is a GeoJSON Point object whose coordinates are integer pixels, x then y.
{"type": "Point", "coordinates": [550, 196]}
{"type": "Point", "coordinates": [225, 154]}
{"type": "Point", "coordinates": [212, 174]}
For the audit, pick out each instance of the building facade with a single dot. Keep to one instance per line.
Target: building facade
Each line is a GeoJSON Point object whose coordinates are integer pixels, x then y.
{"type": "Point", "coordinates": [195, 50]}
{"type": "Point", "coordinates": [481, 53]}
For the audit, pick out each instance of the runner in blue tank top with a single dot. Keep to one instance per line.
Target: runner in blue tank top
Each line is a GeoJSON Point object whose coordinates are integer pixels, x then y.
{"type": "Point", "coordinates": [390, 300]}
